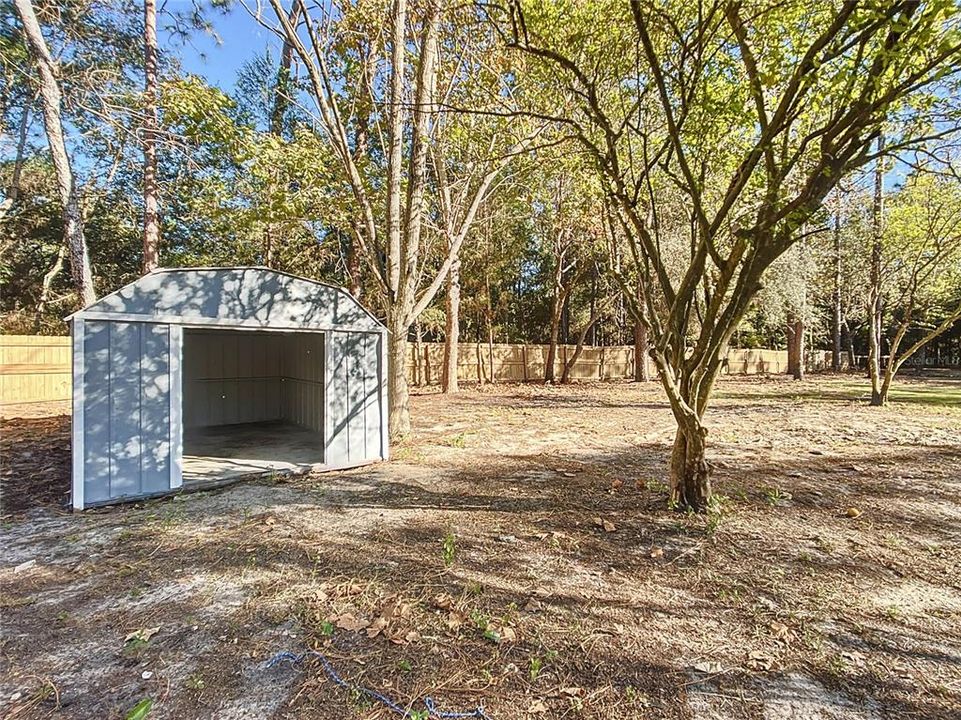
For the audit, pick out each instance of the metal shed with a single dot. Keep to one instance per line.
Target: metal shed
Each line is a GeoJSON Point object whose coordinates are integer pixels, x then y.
{"type": "Point", "coordinates": [193, 377]}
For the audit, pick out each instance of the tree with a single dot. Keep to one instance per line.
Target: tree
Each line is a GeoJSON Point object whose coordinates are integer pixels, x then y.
{"type": "Point", "coordinates": [50, 97]}
{"type": "Point", "coordinates": [151, 221]}
{"type": "Point", "coordinates": [837, 311]}
{"type": "Point", "coordinates": [600, 303]}
{"type": "Point", "coordinates": [408, 265]}
{"type": "Point", "coordinates": [875, 295]}
{"type": "Point", "coordinates": [751, 115]}
{"type": "Point", "coordinates": [919, 258]}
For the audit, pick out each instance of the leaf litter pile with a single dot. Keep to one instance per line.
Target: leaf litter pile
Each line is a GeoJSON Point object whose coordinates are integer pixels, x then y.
{"type": "Point", "coordinates": [517, 553]}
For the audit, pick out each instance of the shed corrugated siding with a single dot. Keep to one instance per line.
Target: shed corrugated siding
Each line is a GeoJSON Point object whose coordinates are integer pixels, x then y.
{"type": "Point", "coordinates": [249, 297]}
{"type": "Point", "coordinates": [354, 398]}
{"type": "Point", "coordinates": [126, 402]}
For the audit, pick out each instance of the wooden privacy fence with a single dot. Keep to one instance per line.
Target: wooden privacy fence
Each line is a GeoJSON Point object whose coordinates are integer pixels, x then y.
{"type": "Point", "coordinates": [34, 368]}
{"type": "Point", "coordinates": [525, 363]}
{"type": "Point", "coordinates": [37, 368]}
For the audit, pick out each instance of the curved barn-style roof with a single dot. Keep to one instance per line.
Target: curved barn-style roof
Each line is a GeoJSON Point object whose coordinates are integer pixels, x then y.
{"type": "Point", "coordinates": [233, 297]}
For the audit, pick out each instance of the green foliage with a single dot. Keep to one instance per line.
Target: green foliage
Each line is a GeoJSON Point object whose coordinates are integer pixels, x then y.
{"type": "Point", "coordinates": [141, 710]}
{"type": "Point", "coordinates": [233, 192]}
{"type": "Point", "coordinates": [449, 548]}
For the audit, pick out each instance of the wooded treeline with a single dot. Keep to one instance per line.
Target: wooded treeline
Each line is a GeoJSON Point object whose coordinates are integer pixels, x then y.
{"type": "Point", "coordinates": [686, 176]}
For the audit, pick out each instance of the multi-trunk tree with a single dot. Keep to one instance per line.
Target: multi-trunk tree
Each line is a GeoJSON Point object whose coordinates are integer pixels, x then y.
{"type": "Point", "coordinates": [404, 186]}
{"type": "Point", "coordinates": [751, 114]}
{"type": "Point", "coordinates": [919, 273]}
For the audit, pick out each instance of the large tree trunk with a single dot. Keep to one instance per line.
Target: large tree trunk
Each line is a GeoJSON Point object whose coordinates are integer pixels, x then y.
{"type": "Point", "coordinates": [549, 374]}
{"type": "Point", "coordinates": [361, 146]}
{"type": "Point", "coordinates": [690, 472]}
{"type": "Point", "coordinates": [642, 372]}
{"type": "Point", "coordinates": [452, 337]}
{"type": "Point", "coordinates": [849, 339]}
{"type": "Point", "coordinates": [151, 220]}
{"type": "Point", "coordinates": [283, 89]}
{"type": "Point", "coordinates": [557, 311]}
{"type": "Point", "coordinates": [69, 200]}
{"type": "Point", "coordinates": [398, 392]}
{"type": "Point", "coordinates": [875, 307]}
{"type": "Point", "coordinates": [795, 348]}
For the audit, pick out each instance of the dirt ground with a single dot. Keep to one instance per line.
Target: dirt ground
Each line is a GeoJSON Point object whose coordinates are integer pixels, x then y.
{"type": "Point", "coordinates": [517, 554]}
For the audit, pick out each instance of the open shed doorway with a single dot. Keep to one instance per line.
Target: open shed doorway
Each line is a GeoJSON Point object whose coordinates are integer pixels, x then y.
{"type": "Point", "coordinates": [253, 403]}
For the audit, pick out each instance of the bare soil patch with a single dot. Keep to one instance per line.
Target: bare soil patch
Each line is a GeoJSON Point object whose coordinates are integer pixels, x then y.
{"type": "Point", "coordinates": [517, 553]}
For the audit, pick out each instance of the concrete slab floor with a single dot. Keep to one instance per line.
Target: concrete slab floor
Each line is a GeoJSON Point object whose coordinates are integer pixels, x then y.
{"type": "Point", "coordinates": [217, 454]}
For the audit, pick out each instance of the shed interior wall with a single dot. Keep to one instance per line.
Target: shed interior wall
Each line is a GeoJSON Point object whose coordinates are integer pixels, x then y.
{"type": "Point", "coordinates": [253, 401]}
{"type": "Point", "coordinates": [233, 377]}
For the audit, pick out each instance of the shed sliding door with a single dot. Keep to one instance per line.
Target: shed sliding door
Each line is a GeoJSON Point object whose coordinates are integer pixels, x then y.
{"type": "Point", "coordinates": [130, 433]}
{"type": "Point", "coordinates": [354, 395]}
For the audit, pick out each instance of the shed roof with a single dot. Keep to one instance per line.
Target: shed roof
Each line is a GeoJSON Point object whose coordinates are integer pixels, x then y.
{"type": "Point", "coordinates": [233, 297]}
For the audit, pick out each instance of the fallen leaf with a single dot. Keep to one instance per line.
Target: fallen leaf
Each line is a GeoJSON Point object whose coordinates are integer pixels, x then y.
{"type": "Point", "coordinates": [617, 484]}
{"type": "Point", "coordinates": [780, 630]}
{"type": "Point", "coordinates": [656, 553]}
{"type": "Point", "coordinates": [607, 525]}
{"type": "Point", "coordinates": [572, 692]}
{"type": "Point", "coordinates": [759, 660]}
{"type": "Point", "coordinates": [348, 622]}
{"type": "Point", "coordinates": [507, 634]}
{"type": "Point", "coordinates": [143, 635]}
{"type": "Point", "coordinates": [455, 619]}
{"type": "Point", "coordinates": [537, 707]}
{"type": "Point", "coordinates": [711, 667]}
{"type": "Point", "coordinates": [351, 588]}
{"type": "Point", "coordinates": [852, 512]}
{"type": "Point", "coordinates": [532, 605]}
{"type": "Point", "coordinates": [375, 628]}
{"type": "Point", "coordinates": [443, 601]}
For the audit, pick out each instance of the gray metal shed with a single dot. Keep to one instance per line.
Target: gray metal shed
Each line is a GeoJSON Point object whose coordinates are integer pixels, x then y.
{"type": "Point", "coordinates": [199, 376]}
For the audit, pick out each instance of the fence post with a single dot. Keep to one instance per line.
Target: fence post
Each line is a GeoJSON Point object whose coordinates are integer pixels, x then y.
{"type": "Point", "coordinates": [524, 358]}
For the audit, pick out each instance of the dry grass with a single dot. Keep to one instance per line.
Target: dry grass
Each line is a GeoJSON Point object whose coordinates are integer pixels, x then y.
{"type": "Point", "coordinates": [480, 574]}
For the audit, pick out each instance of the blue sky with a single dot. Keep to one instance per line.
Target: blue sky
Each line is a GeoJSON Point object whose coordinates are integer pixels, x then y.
{"type": "Point", "coordinates": [241, 39]}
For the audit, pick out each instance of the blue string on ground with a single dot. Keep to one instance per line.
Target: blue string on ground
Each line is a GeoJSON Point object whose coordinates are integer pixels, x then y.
{"type": "Point", "coordinates": [429, 705]}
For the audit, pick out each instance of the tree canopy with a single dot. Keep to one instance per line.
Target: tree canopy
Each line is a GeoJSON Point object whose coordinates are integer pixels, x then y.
{"type": "Point", "coordinates": [687, 175]}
